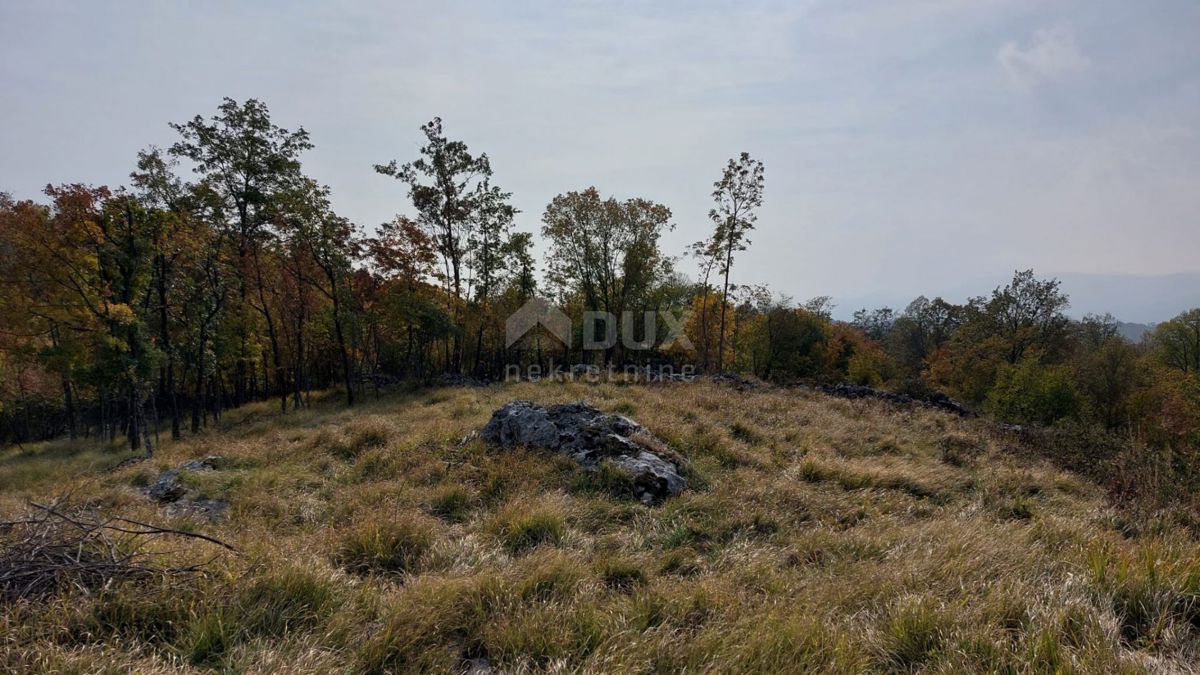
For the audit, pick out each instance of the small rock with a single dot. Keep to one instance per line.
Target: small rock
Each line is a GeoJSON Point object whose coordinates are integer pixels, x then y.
{"type": "Point", "coordinates": [738, 382]}
{"type": "Point", "coordinates": [480, 666]}
{"type": "Point", "coordinates": [857, 391]}
{"type": "Point", "coordinates": [590, 437]}
{"type": "Point", "coordinates": [456, 380]}
{"type": "Point", "coordinates": [169, 489]}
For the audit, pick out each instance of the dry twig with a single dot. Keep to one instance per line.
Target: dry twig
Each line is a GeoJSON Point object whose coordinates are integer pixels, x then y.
{"type": "Point", "coordinates": [54, 549]}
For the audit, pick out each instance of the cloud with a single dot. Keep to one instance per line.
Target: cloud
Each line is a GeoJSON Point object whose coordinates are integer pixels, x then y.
{"type": "Point", "coordinates": [1051, 54]}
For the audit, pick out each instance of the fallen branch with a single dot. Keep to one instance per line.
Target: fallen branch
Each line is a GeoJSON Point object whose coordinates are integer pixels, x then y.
{"type": "Point", "coordinates": [53, 549]}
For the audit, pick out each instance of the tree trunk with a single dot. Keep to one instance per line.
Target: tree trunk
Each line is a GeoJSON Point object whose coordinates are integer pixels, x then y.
{"type": "Point", "coordinates": [724, 307]}
{"type": "Point", "coordinates": [341, 339]}
{"type": "Point", "coordinates": [164, 336]}
{"type": "Point", "coordinates": [69, 405]}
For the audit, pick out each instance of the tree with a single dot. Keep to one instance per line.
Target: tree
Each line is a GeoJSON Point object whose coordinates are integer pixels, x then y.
{"type": "Point", "coordinates": [403, 258]}
{"type": "Point", "coordinates": [923, 327]}
{"type": "Point", "coordinates": [86, 262]}
{"type": "Point", "coordinates": [875, 324]}
{"type": "Point", "coordinates": [605, 250]}
{"type": "Point", "coordinates": [1028, 314]}
{"type": "Point", "coordinates": [524, 279]}
{"type": "Point", "coordinates": [784, 342]}
{"type": "Point", "coordinates": [737, 194]}
{"type": "Point", "coordinates": [1023, 320]}
{"type": "Point", "coordinates": [1108, 374]}
{"type": "Point", "coordinates": [490, 246]}
{"type": "Point", "coordinates": [1177, 342]}
{"type": "Point", "coordinates": [247, 162]}
{"type": "Point", "coordinates": [452, 193]}
{"type": "Point", "coordinates": [162, 193]}
{"type": "Point", "coordinates": [331, 243]}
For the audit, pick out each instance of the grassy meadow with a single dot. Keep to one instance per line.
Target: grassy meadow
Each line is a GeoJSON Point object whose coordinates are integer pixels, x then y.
{"type": "Point", "coordinates": [817, 535]}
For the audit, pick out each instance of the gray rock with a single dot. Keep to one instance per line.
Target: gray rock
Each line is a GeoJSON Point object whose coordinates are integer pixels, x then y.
{"type": "Point", "coordinates": [212, 509]}
{"type": "Point", "coordinates": [591, 438]}
{"type": "Point", "coordinates": [479, 666]}
{"type": "Point", "coordinates": [169, 489]}
{"type": "Point", "coordinates": [936, 400]}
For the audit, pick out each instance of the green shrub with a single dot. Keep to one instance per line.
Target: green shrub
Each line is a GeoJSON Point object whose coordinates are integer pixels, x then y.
{"type": "Point", "coordinates": [1032, 393]}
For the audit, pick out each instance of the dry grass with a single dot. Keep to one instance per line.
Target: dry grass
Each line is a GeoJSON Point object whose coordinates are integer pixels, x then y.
{"type": "Point", "coordinates": [821, 535]}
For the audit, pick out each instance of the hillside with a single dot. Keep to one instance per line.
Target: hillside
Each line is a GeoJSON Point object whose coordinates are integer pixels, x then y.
{"type": "Point", "coordinates": [817, 534]}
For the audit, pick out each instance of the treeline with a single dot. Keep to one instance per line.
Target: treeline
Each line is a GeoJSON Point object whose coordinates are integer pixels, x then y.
{"type": "Point", "coordinates": [1126, 413]}
{"type": "Point", "coordinates": [221, 275]}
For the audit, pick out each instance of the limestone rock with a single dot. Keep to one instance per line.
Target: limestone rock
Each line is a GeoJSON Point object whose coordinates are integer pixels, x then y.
{"type": "Point", "coordinates": [591, 438]}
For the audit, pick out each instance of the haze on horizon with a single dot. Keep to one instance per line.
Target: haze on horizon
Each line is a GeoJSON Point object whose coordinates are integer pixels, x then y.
{"type": "Point", "coordinates": [915, 146]}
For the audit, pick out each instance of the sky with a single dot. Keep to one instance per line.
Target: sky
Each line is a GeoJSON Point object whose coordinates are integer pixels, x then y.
{"type": "Point", "coordinates": [911, 146]}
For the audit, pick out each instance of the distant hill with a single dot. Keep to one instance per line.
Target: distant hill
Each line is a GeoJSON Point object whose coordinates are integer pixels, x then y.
{"type": "Point", "coordinates": [1134, 331]}
{"type": "Point", "coordinates": [1138, 299]}
{"type": "Point", "coordinates": [1142, 299]}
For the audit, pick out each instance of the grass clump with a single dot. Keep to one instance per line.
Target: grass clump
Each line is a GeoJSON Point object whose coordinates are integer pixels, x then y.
{"type": "Point", "coordinates": [1156, 596]}
{"type": "Point", "coordinates": [419, 631]}
{"type": "Point", "coordinates": [361, 435]}
{"type": "Point", "coordinates": [521, 527]}
{"type": "Point", "coordinates": [547, 579]}
{"type": "Point", "coordinates": [795, 645]}
{"type": "Point", "coordinates": [607, 478]}
{"type": "Point", "coordinates": [545, 633]}
{"type": "Point", "coordinates": [957, 450]}
{"type": "Point", "coordinates": [1019, 508]}
{"type": "Point", "coordinates": [284, 600]}
{"type": "Point", "coordinates": [914, 635]}
{"type": "Point", "coordinates": [381, 547]}
{"type": "Point", "coordinates": [452, 503]}
{"type": "Point", "coordinates": [621, 574]}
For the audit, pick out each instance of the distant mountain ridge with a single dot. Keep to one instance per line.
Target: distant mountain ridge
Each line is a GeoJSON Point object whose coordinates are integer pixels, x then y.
{"type": "Point", "coordinates": [1140, 300]}
{"type": "Point", "coordinates": [1134, 332]}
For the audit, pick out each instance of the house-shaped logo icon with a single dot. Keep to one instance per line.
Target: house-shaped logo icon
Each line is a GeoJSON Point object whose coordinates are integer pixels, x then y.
{"type": "Point", "coordinates": [537, 311]}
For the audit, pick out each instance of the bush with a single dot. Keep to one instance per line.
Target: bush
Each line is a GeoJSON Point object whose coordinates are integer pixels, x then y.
{"type": "Point", "coordinates": [1032, 393]}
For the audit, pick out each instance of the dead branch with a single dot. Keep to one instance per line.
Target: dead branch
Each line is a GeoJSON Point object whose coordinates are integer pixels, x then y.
{"type": "Point", "coordinates": [53, 549]}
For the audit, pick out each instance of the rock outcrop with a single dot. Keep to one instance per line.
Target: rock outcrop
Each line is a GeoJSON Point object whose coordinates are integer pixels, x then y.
{"type": "Point", "coordinates": [168, 489]}
{"type": "Point", "coordinates": [591, 438]}
{"type": "Point", "coordinates": [935, 400]}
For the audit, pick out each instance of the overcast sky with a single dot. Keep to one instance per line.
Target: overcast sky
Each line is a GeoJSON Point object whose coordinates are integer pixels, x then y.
{"type": "Point", "coordinates": [911, 146]}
